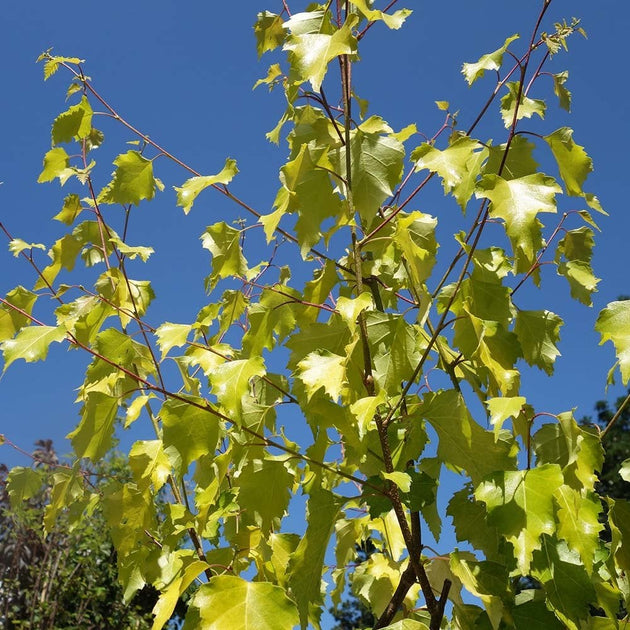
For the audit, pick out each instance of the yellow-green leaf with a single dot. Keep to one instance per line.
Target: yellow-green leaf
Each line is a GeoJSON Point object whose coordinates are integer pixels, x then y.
{"type": "Point", "coordinates": [228, 601]}
{"type": "Point", "coordinates": [394, 20]}
{"type": "Point", "coordinates": [613, 324]}
{"type": "Point", "coordinates": [31, 343]}
{"type": "Point", "coordinates": [75, 123]}
{"type": "Point", "coordinates": [187, 194]}
{"type": "Point", "coordinates": [574, 163]}
{"type": "Point", "coordinates": [491, 61]}
{"type": "Point", "coordinates": [132, 180]}
{"type": "Point", "coordinates": [311, 53]}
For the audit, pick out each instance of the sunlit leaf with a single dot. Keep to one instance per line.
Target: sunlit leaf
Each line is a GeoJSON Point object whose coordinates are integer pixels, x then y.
{"type": "Point", "coordinates": [75, 123]}
{"type": "Point", "coordinates": [269, 31]}
{"type": "Point", "coordinates": [12, 319]}
{"type": "Point", "coordinates": [56, 161]}
{"type": "Point", "coordinates": [310, 53]}
{"type": "Point", "coordinates": [539, 334]}
{"type": "Point", "coordinates": [31, 344]}
{"type": "Point", "coordinates": [491, 61]}
{"type": "Point", "coordinates": [518, 202]}
{"type": "Point", "coordinates": [231, 602]}
{"type": "Point", "coordinates": [394, 20]}
{"type": "Point", "coordinates": [527, 107]}
{"type": "Point", "coordinates": [520, 505]}
{"type": "Point", "coordinates": [187, 194]}
{"type": "Point", "coordinates": [132, 181]}
{"type": "Point", "coordinates": [573, 162]}
{"type": "Point", "coordinates": [223, 242]}
{"type": "Point", "coordinates": [613, 324]}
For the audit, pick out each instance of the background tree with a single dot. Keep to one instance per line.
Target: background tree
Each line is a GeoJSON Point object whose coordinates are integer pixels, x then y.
{"type": "Point", "coordinates": [616, 445]}
{"type": "Point", "coordinates": [67, 577]}
{"type": "Point", "coordinates": [348, 350]}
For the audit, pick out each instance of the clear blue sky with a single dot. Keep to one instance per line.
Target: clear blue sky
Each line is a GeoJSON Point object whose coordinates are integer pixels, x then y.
{"type": "Point", "coordinates": [183, 73]}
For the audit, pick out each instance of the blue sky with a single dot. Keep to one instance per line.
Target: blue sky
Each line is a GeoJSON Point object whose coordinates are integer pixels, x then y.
{"type": "Point", "coordinates": [183, 73]}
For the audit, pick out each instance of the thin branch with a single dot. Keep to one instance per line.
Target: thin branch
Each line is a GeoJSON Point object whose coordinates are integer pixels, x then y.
{"type": "Point", "coordinates": [616, 417]}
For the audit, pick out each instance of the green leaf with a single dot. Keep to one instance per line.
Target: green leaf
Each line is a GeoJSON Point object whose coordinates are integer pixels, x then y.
{"type": "Point", "coordinates": [613, 324]}
{"type": "Point", "coordinates": [364, 411]}
{"type": "Point", "coordinates": [470, 523]}
{"type": "Point", "coordinates": [573, 256]}
{"type": "Point", "coordinates": [539, 333]}
{"type": "Point", "coordinates": [93, 437]}
{"type": "Point", "coordinates": [395, 349]}
{"type": "Point", "coordinates": [130, 513]}
{"type": "Point", "coordinates": [17, 246]}
{"type": "Point", "coordinates": [56, 161]}
{"type": "Point", "coordinates": [310, 53]}
{"type": "Point", "coordinates": [491, 61]}
{"type": "Point", "coordinates": [315, 20]}
{"type": "Point", "coordinates": [22, 484]}
{"type": "Point", "coordinates": [74, 123]}
{"type": "Point", "coordinates": [271, 78]}
{"type": "Point", "coordinates": [393, 21]}
{"type": "Point", "coordinates": [619, 518]}
{"type": "Point", "coordinates": [564, 96]}
{"type": "Point", "coordinates": [70, 210]}
{"type": "Point", "coordinates": [269, 31]}
{"type": "Point", "coordinates": [624, 471]}
{"type": "Point", "coordinates": [317, 290]}
{"type": "Point", "coordinates": [309, 191]}
{"type": "Point", "coordinates": [51, 65]}
{"type": "Point", "coordinates": [577, 451]}
{"type": "Point", "coordinates": [132, 252]}
{"type": "Point", "coordinates": [486, 580]}
{"type": "Point", "coordinates": [527, 106]}
{"type": "Point", "coordinates": [188, 432]}
{"type": "Point", "coordinates": [130, 296]}
{"type": "Point", "coordinates": [84, 317]}
{"type": "Point", "coordinates": [461, 439]}
{"type": "Point", "coordinates": [375, 581]}
{"type": "Point", "coordinates": [187, 194]}
{"type": "Point", "coordinates": [64, 255]}
{"type": "Point", "coordinates": [534, 615]}
{"type": "Point", "coordinates": [172, 335]}
{"type": "Point", "coordinates": [519, 163]}
{"type": "Point", "coordinates": [11, 320]}
{"type": "Point", "coordinates": [306, 564]}
{"type": "Point", "coordinates": [459, 165]}
{"type": "Point", "coordinates": [322, 369]}
{"type": "Point", "coordinates": [407, 624]}
{"type": "Point", "coordinates": [230, 602]}
{"type": "Point", "coordinates": [132, 181]}
{"type": "Point", "coordinates": [31, 344]}
{"type": "Point", "coordinates": [67, 489]}
{"type": "Point", "coordinates": [149, 464]}
{"type": "Point", "coordinates": [183, 567]}
{"type": "Point", "coordinates": [578, 523]}
{"type": "Point", "coordinates": [377, 164]}
{"type": "Point", "coordinates": [520, 505]}
{"type": "Point", "coordinates": [231, 381]}
{"type": "Point", "coordinates": [503, 408]}
{"type": "Point", "coordinates": [494, 350]}
{"type": "Point", "coordinates": [400, 479]}
{"type": "Point", "coordinates": [568, 587]}
{"type": "Point", "coordinates": [573, 162]}
{"type": "Point", "coordinates": [518, 202]}
{"type": "Point", "coordinates": [267, 508]}
{"type": "Point", "coordinates": [223, 242]}
{"type": "Point", "coordinates": [350, 308]}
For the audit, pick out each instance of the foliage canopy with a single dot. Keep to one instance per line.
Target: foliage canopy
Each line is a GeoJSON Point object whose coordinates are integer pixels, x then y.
{"type": "Point", "coordinates": [401, 362]}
